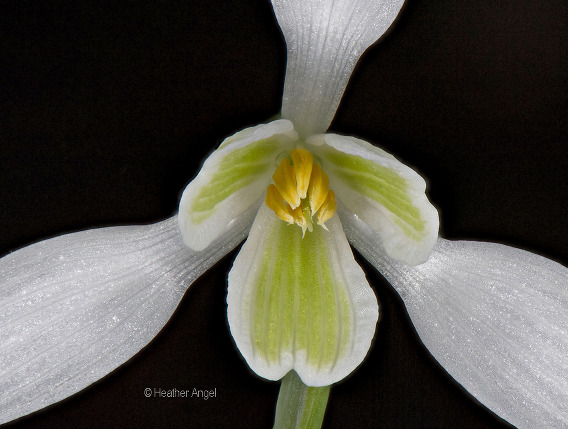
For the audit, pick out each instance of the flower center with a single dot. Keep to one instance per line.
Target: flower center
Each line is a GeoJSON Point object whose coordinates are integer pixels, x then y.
{"type": "Point", "coordinates": [301, 191]}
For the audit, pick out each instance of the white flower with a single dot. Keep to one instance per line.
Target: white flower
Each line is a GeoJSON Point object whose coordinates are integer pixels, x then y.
{"type": "Point", "coordinates": [297, 299]}
{"type": "Point", "coordinates": [95, 289]}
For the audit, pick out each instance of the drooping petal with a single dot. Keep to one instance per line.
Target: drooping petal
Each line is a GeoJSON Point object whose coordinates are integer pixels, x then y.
{"type": "Point", "coordinates": [324, 41]}
{"type": "Point", "coordinates": [75, 307]}
{"type": "Point", "coordinates": [495, 317]}
{"type": "Point", "coordinates": [300, 304]}
{"type": "Point", "coordinates": [231, 180]}
{"type": "Point", "coordinates": [383, 192]}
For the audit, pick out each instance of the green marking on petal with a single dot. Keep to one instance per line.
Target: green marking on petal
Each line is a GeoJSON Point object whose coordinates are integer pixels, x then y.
{"type": "Point", "coordinates": [381, 184]}
{"type": "Point", "coordinates": [298, 304]}
{"type": "Point", "coordinates": [236, 170]}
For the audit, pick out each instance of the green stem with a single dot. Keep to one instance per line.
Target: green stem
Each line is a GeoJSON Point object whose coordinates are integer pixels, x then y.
{"type": "Point", "coordinates": [300, 406]}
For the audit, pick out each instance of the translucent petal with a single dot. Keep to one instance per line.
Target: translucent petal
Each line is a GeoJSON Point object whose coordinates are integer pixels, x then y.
{"type": "Point", "coordinates": [384, 193]}
{"type": "Point", "coordinates": [300, 304]}
{"type": "Point", "coordinates": [75, 307]}
{"type": "Point", "coordinates": [495, 317]}
{"type": "Point", "coordinates": [232, 179]}
{"type": "Point", "coordinates": [325, 40]}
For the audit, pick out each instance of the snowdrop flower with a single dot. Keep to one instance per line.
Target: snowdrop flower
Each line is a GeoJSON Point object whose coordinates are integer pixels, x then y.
{"type": "Point", "coordinates": [468, 298]}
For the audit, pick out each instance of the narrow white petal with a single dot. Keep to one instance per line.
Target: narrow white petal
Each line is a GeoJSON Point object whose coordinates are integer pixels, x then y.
{"type": "Point", "coordinates": [383, 192]}
{"type": "Point", "coordinates": [75, 307]}
{"type": "Point", "coordinates": [300, 303]}
{"type": "Point", "coordinates": [232, 180]}
{"type": "Point", "coordinates": [495, 317]}
{"type": "Point", "coordinates": [325, 39]}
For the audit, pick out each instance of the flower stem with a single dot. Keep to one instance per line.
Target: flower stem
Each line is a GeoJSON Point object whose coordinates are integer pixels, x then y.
{"type": "Point", "coordinates": [300, 406]}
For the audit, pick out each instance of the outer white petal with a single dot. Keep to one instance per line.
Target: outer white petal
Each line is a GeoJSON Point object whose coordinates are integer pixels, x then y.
{"type": "Point", "coordinates": [383, 192]}
{"type": "Point", "coordinates": [495, 317]}
{"type": "Point", "coordinates": [325, 39]}
{"type": "Point", "coordinates": [231, 180]}
{"type": "Point", "coordinates": [75, 307]}
{"type": "Point", "coordinates": [300, 303]}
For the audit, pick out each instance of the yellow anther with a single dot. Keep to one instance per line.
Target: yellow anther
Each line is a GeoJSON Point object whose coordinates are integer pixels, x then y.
{"type": "Point", "coordinates": [303, 161]}
{"type": "Point", "coordinates": [300, 191]}
{"type": "Point", "coordinates": [317, 190]}
{"type": "Point", "coordinates": [327, 209]}
{"type": "Point", "coordinates": [285, 181]}
{"type": "Point", "coordinates": [300, 219]}
{"type": "Point", "coordinates": [276, 203]}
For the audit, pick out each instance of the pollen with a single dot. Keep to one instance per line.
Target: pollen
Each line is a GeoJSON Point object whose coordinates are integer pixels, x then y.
{"type": "Point", "coordinates": [301, 191]}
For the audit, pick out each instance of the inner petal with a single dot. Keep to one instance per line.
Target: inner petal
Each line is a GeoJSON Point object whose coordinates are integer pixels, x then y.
{"type": "Point", "coordinates": [232, 180]}
{"type": "Point", "coordinates": [386, 194]}
{"type": "Point", "coordinates": [299, 302]}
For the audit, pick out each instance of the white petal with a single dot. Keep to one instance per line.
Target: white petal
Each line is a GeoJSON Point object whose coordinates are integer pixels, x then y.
{"type": "Point", "coordinates": [75, 307]}
{"type": "Point", "coordinates": [383, 192]}
{"type": "Point", "coordinates": [325, 39]}
{"type": "Point", "coordinates": [300, 303]}
{"type": "Point", "coordinates": [495, 317]}
{"type": "Point", "coordinates": [231, 180]}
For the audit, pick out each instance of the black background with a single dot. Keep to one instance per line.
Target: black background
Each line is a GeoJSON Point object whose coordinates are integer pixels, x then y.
{"type": "Point", "coordinates": [108, 109]}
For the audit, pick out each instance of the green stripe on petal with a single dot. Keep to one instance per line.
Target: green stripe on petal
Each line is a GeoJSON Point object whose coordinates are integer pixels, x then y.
{"type": "Point", "coordinates": [381, 184]}
{"type": "Point", "coordinates": [232, 179]}
{"type": "Point", "coordinates": [235, 171]}
{"type": "Point", "coordinates": [300, 303]}
{"type": "Point", "coordinates": [387, 195]}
